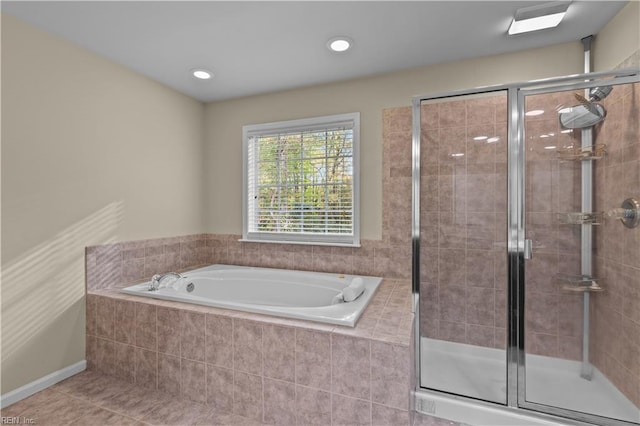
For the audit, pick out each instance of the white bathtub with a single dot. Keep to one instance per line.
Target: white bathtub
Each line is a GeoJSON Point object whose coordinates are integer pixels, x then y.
{"type": "Point", "coordinates": [279, 292]}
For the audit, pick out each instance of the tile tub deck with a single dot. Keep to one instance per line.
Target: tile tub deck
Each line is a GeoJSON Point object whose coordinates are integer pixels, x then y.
{"type": "Point", "coordinates": [267, 369]}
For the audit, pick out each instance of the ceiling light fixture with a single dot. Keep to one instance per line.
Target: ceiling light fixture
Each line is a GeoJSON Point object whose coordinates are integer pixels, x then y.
{"type": "Point", "coordinates": [480, 138]}
{"type": "Point", "coordinates": [539, 17]}
{"type": "Point", "coordinates": [493, 139]}
{"type": "Point", "coordinates": [339, 44]}
{"type": "Point", "coordinates": [201, 74]}
{"type": "Point", "coordinates": [534, 112]}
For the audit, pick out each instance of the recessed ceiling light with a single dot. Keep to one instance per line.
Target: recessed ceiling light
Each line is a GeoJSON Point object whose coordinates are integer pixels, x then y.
{"type": "Point", "coordinates": [493, 139]}
{"type": "Point", "coordinates": [539, 17]}
{"type": "Point", "coordinates": [480, 138]}
{"type": "Point", "coordinates": [550, 147]}
{"type": "Point", "coordinates": [339, 44]}
{"type": "Point", "coordinates": [201, 74]}
{"type": "Point", "coordinates": [534, 112]}
{"type": "Point", "coordinates": [459, 154]}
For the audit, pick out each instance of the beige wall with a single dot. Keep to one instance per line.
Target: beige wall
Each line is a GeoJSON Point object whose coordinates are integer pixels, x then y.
{"type": "Point", "coordinates": [91, 152]}
{"type": "Point", "coordinates": [619, 39]}
{"type": "Point", "coordinates": [224, 120]}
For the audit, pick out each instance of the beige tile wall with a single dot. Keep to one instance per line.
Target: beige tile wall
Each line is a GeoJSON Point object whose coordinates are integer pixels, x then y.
{"type": "Point", "coordinates": [615, 345]}
{"type": "Point", "coordinates": [463, 224]}
{"type": "Point", "coordinates": [553, 317]}
{"type": "Point", "coordinates": [117, 265]}
{"type": "Point", "coordinates": [463, 221]}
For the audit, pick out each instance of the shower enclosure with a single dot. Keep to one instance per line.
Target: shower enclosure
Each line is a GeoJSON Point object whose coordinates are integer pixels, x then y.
{"type": "Point", "coordinates": [526, 254]}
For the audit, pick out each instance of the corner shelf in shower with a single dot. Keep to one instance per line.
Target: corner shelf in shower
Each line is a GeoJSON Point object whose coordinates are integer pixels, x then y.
{"type": "Point", "coordinates": [579, 283]}
{"type": "Point", "coordinates": [580, 153]}
{"type": "Point", "coordinates": [581, 218]}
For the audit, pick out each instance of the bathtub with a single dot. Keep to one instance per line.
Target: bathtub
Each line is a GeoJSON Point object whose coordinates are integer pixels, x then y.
{"type": "Point", "coordinates": [312, 296]}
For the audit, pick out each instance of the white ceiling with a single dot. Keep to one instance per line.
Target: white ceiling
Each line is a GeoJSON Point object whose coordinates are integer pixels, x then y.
{"type": "Point", "coordinates": [263, 46]}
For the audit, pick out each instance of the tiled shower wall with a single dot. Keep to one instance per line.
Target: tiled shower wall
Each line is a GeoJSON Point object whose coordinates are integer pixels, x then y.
{"type": "Point", "coordinates": [615, 313]}
{"type": "Point", "coordinates": [463, 220]}
{"type": "Point", "coordinates": [463, 227]}
{"type": "Point", "coordinates": [553, 324]}
{"type": "Point", "coordinates": [463, 274]}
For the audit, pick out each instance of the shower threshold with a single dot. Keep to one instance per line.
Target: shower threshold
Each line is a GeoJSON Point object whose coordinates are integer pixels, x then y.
{"type": "Point", "coordinates": [479, 372]}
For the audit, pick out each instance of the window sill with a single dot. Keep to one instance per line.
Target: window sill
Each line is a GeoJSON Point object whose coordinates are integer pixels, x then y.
{"type": "Point", "coordinates": [303, 243]}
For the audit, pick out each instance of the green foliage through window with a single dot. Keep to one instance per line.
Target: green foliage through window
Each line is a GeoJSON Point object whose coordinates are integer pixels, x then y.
{"type": "Point", "coordinates": [301, 181]}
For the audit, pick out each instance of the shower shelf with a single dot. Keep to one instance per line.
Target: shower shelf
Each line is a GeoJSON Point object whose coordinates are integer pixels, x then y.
{"type": "Point", "coordinates": [589, 153]}
{"type": "Point", "coordinates": [579, 283]}
{"type": "Point", "coordinates": [581, 218]}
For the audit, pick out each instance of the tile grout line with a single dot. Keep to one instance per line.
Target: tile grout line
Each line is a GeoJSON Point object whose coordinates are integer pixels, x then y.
{"type": "Point", "coordinates": [95, 404]}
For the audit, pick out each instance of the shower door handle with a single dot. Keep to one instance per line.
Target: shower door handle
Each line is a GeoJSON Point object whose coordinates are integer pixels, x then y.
{"type": "Point", "coordinates": [528, 249]}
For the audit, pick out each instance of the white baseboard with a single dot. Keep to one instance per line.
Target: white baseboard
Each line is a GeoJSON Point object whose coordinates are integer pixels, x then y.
{"type": "Point", "coordinates": [41, 384]}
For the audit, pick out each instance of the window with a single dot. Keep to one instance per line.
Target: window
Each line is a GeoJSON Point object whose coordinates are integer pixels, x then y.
{"type": "Point", "coordinates": [301, 181]}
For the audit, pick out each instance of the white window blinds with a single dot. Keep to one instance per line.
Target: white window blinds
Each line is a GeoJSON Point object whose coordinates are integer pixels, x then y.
{"type": "Point", "coordinates": [301, 180]}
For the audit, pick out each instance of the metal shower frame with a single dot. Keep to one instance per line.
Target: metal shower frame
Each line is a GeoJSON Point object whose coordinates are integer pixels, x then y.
{"type": "Point", "coordinates": [517, 247]}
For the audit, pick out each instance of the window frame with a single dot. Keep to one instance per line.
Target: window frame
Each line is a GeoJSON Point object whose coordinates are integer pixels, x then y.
{"type": "Point", "coordinates": [348, 240]}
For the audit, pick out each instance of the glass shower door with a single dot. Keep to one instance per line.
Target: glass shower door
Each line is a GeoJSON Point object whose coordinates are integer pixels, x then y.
{"type": "Point", "coordinates": [463, 272]}
{"type": "Point", "coordinates": [582, 280]}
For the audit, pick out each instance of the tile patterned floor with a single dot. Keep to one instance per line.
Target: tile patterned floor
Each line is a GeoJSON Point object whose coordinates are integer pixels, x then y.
{"type": "Point", "coordinates": [93, 399]}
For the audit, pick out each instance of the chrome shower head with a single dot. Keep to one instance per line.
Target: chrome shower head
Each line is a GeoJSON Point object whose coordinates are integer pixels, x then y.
{"type": "Point", "coordinates": [589, 112]}
{"type": "Point", "coordinates": [581, 116]}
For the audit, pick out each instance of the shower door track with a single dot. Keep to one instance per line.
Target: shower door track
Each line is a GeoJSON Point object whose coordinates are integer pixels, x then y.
{"type": "Point", "coordinates": [516, 243]}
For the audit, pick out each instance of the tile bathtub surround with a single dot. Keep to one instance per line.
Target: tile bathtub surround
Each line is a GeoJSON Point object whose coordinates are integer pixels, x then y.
{"type": "Point", "coordinates": [268, 369]}
{"type": "Point", "coordinates": [233, 350]}
{"type": "Point", "coordinates": [122, 264]}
